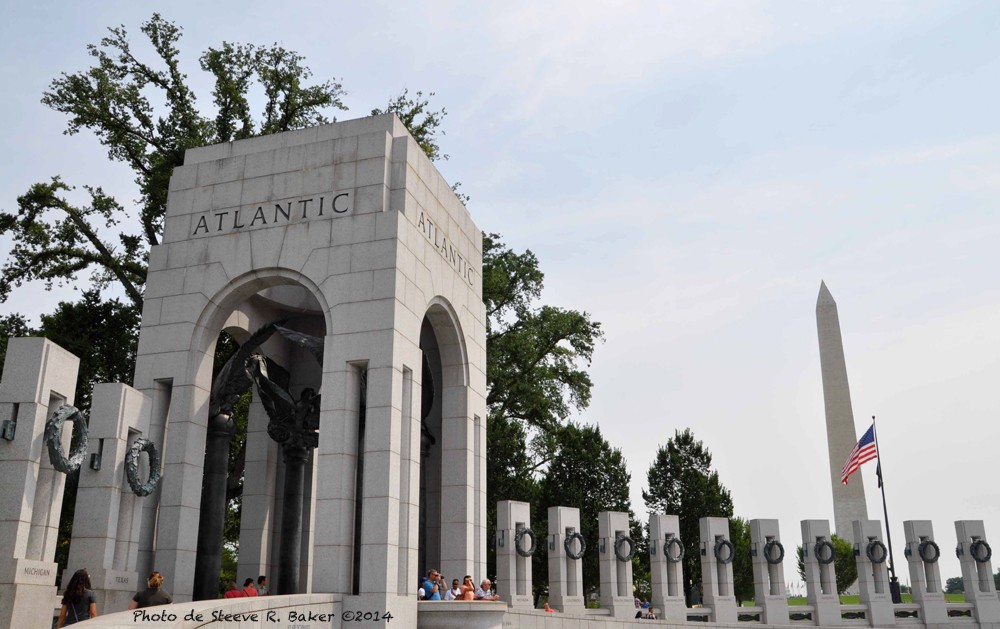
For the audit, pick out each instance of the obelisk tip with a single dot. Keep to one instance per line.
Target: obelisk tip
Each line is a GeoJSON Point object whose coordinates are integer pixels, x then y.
{"type": "Point", "coordinates": [825, 298]}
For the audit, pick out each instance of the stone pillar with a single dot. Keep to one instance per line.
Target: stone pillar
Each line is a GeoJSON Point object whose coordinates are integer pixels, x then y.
{"type": "Point", "coordinates": [717, 554]}
{"type": "Point", "coordinates": [818, 555]}
{"type": "Point", "coordinates": [922, 553]}
{"type": "Point", "coordinates": [872, 556]}
{"type": "Point", "coordinates": [513, 570]}
{"type": "Point", "coordinates": [666, 566]}
{"type": "Point", "coordinates": [768, 571]}
{"type": "Point", "coordinates": [977, 570]}
{"type": "Point", "coordinates": [565, 573]}
{"type": "Point", "coordinates": [105, 504]}
{"type": "Point", "coordinates": [38, 376]}
{"type": "Point", "coordinates": [616, 575]}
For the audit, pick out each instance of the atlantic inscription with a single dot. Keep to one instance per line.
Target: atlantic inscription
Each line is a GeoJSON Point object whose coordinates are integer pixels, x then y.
{"type": "Point", "coordinates": [437, 237]}
{"type": "Point", "coordinates": [283, 212]}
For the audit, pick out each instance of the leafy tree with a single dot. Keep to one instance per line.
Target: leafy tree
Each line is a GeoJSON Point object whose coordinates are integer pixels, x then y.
{"type": "Point", "coordinates": [588, 473]}
{"type": "Point", "coordinates": [533, 353]}
{"type": "Point", "coordinates": [535, 379]}
{"type": "Point", "coordinates": [844, 564]}
{"type": "Point", "coordinates": [681, 481]}
{"type": "Point", "coordinates": [55, 240]}
{"type": "Point", "coordinates": [954, 585]}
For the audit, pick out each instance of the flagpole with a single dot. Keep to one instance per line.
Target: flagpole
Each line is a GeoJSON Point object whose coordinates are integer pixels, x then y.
{"type": "Point", "coordinates": [893, 581]}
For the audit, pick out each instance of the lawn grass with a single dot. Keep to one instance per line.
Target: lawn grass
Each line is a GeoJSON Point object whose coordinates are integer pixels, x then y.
{"type": "Point", "coordinates": [856, 600]}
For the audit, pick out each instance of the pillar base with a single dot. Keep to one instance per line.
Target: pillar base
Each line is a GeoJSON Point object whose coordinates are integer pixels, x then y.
{"type": "Point", "coordinates": [28, 596]}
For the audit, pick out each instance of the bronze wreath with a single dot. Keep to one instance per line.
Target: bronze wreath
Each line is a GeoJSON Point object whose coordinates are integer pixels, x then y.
{"type": "Point", "coordinates": [53, 439]}
{"type": "Point", "coordinates": [132, 467]}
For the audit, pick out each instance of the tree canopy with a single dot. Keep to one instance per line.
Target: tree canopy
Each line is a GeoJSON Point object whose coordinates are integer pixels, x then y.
{"type": "Point", "coordinates": [590, 474]}
{"type": "Point", "coordinates": [681, 481]}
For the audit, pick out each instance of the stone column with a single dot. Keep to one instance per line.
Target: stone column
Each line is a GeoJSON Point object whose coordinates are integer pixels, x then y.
{"type": "Point", "coordinates": [104, 501]}
{"type": "Point", "coordinates": [818, 555]}
{"type": "Point", "coordinates": [925, 574]}
{"type": "Point", "coordinates": [666, 564]}
{"type": "Point", "coordinates": [977, 570]}
{"type": "Point", "coordinates": [717, 554]}
{"type": "Point", "coordinates": [873, 572]}
{"type": "Point", "coordinates": [565, 573]}
{"type": "Point", "coordinates": [768, 571]}
{"type": "Point", "coordinates": [513, 570]}
{"type": "Point", "coordinates": [616, 575]}
{"type": "Point", "coordinates": [38, 376]}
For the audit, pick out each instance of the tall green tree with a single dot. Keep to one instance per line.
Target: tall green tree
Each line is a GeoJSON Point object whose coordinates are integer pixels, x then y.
{"type": "Point", "coordinates": [681, 482]}
{"type": "Point", "coordinates": [590, 474]}
{"type": "Point", "coordinates": [536, 360]}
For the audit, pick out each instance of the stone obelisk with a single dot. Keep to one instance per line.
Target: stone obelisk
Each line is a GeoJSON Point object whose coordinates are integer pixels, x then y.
{"type": "Point", "coordinates": [848, 500]}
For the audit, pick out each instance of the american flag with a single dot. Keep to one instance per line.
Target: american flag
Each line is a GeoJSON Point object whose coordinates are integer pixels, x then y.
{"type": "Point", "coordinates": [862, 453]}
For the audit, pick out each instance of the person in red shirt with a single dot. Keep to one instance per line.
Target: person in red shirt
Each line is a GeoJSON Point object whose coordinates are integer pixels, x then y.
{"type": "Point", "coordinates": [232, 591]}
{"type": "Point", "coordinates": [248, 587]}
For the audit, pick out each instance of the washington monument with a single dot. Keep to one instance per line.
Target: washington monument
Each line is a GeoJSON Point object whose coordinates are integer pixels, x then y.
{"type": "Point", "coordinates": [848, 500]}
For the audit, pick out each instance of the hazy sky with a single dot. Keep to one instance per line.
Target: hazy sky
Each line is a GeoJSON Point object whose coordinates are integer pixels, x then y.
{"type": "Point", "coordinates": [687, 173]}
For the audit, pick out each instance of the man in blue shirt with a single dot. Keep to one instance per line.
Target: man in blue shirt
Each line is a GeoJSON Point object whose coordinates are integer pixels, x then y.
{"type": "Point", "coordinates": [433, 586]}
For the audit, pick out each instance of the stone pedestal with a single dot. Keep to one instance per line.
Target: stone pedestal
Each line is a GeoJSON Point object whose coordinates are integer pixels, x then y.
{"type": "Point", "coordinates": [666, 565]}
{"type": "Point", "coordinates": [818, 555]}
{"type": "Point", "coordinates": [565, 573]}
{"type": "Point", "coordinates": [38, 377]}
{"type": "Point", "coordinates": [977, 574]}
{"type": "Point", "coordinates": [872, 556]}
{"type": "Point", "coordinates": [767, 553]}
{"type": "Point", "coordinates": [105, 525]}
{"type": "Point", "coordinates": [717, 554]}
{"type": "Point", "coordinates": [925, 574]}
{"type": "Point", "coordinates": [616, 575]}
{"type": "Point", "coordinates": [513, 570]}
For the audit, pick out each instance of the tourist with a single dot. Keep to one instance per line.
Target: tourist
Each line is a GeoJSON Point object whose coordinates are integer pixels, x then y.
{"type": "Point", "coordinates": [433, 585]}
{"type": "Point", "coordinates": [455, 592]}
{"type": "Point", "coordinates": [548, 609]}
{"type": "Point", "coordinates": [485, 592]}
{"type": "Point", "coordinates": [262, 586]}
{"type": "Point", "coordinates": [233, 591]}
{"type": "Point", "coordinates": [249, 589]}
{"type": "Point", "coordinates": [468, 589]}
{"type": "Point", "coordinates": [153, 594]}
{"type": "Point", "coordinates": [78, 602]}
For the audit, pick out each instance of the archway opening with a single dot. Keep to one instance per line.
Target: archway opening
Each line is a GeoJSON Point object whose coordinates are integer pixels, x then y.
{"type": "Point", "coordinates": [262, 430]}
